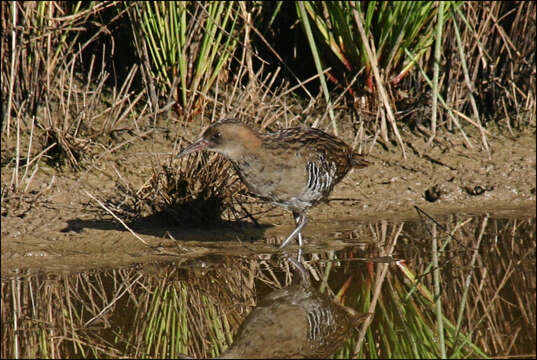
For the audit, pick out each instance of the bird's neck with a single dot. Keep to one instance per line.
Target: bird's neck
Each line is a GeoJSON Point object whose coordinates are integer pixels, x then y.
{"type": "Point", "coordinates": [248, 144]}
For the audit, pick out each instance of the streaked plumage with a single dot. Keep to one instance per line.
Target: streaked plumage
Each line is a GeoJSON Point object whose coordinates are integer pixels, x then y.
{"type": "Point", "coordinates": [295, 168]}
{"type": "Point", "coordinates": [296, 321]}
{"type": "Point", "coordinates": [292, 322]}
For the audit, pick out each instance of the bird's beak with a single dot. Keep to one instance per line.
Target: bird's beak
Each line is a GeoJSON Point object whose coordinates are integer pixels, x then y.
{"type": "Point", "coordinates": [200, 144]}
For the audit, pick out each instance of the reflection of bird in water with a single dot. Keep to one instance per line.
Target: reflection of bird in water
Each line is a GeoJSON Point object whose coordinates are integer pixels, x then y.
{"type": "Point", "coordinates": [295, 168]}
{"type": "Point", "coordinates": [296, 321]}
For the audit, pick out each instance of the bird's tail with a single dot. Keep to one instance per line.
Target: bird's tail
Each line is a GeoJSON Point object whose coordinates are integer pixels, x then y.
{"type": "Point", "coordinates": [358, 161]}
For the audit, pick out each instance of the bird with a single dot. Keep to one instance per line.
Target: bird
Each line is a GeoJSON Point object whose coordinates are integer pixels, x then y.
{"type": "Point", "coordinates": [295, 168]}
{"type": "Point", "coordinates": [295, 321]}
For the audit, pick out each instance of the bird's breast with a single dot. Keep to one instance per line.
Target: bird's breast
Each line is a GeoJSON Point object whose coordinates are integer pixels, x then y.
{"type": "Point", "coordinates": [277, 179]}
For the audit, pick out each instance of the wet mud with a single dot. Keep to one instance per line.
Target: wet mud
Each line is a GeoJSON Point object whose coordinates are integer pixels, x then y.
{"type": "Point", "coordinates": [56, 225]}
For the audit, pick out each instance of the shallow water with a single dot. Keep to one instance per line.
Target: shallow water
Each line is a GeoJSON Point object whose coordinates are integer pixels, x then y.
{"type": "Point", "coordinates": [194, 305]}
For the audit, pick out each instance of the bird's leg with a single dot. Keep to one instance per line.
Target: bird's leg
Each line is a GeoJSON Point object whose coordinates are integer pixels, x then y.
{"type": "Point", "coordinates": [299, 255]}
{"type": "Point", "coordinates": [297, 220]}
{"type": "Point", "coordinates": [304, 275]}
{"type": "Point", "coordinates": [301, 221]}
{"type": "Point", "coordinates": [299, 251]}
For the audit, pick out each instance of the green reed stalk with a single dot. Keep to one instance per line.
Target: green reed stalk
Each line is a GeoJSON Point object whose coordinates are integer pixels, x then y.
{"type": "Point", "coordinates": [317, 60]}
{"type": "Point", "coordinates": [392, 26]}
{"type": "Point", "coordinates": [189, 40]}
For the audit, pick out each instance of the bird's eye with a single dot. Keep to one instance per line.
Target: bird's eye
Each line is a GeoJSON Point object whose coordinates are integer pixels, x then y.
{"type": "Point", "coordinates": [217, 135]}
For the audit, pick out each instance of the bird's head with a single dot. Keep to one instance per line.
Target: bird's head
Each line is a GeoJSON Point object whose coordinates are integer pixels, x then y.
{"type": "Point", "coordinates": [231, 138]}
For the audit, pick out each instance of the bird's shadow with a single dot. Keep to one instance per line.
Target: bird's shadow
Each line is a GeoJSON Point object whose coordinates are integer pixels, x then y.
{"type": "Point", "coordinates": [198, 220]}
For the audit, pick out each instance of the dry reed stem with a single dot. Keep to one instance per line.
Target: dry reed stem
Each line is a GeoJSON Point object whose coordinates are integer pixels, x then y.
{"type": "Point", "coordinates": [117, 218]}
{"type": "Point", "coordinates": [382, 91]}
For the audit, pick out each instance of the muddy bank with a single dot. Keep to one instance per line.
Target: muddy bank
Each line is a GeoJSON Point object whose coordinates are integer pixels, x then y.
{"type": "Point", "coordinates": [57, 226]}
